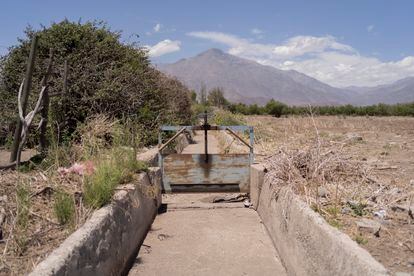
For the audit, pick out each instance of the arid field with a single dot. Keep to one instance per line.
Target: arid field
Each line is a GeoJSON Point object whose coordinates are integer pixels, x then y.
{"type": "Point", "coordinates": [357, 172]}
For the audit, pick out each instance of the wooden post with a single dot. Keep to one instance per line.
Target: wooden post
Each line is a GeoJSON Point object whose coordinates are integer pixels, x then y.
{"type": "Point", "coordinates": [45, 107]}
{"type": "Point", "coordinates": [26, 91]}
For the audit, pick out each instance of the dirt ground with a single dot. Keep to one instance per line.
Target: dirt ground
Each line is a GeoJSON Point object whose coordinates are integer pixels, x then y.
{"type": "Point", "coordinates": [384, 148]}
{"type": "Point", "coordinates": [5, 156]}
{"type": "Point", "coordinates": [26, 241]}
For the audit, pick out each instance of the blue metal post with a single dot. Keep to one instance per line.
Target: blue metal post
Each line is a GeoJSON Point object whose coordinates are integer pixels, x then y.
{"type": "Point", "coordinates": [251, 135]}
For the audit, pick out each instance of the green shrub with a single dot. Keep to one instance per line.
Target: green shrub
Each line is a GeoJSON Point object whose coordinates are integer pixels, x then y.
{"type": "Point", "coordinates": [360, 239]}
{"type": "Point", "coordinates": [99, 187]}
{"type": "Point", "coordinates": [125, 159]}
{"type": "Point", "coordinates": [216, 98]}
{"type": "Point", "coordinates": [105, 76]}
{"type": "Point", "coordinates": [64, 208]}
{"type": "Point", "coordinates": [278, 109]}
{"type": "Point", "coordinates": [335, 223]}
{"type": "Point", "coordinates": [21, 237]}
{"type": "Point", "coordinates": [23, 205]}
{"type": "Point", "coordinates": [332, 210]}
{"type": "Point", "coordinates": [358, 208]}
{"type": "Point", "coordinates": [119, 167]}
{"type": "Point", "coordinates": [275, 108]}
{"type": "Point", "coordinates": [226, 118]}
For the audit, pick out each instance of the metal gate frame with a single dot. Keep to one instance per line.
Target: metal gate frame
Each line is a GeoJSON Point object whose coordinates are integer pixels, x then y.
{"type": "Point", "coordinates": [213, 157]}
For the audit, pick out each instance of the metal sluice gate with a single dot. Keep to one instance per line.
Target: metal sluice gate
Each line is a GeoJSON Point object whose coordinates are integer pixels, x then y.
{"type": "Point", "coordinates": [205, 172]}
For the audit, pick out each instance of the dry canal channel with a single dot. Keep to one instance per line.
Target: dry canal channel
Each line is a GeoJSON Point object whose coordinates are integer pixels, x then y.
{"type": "Point", "coordinates": [191, 235]}
{"type": "Point", "coordinates": [196, 237]}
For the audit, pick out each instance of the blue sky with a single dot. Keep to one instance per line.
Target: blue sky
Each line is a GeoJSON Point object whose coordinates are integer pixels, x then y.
{"type": "Point", "coordinates": [339, 42]}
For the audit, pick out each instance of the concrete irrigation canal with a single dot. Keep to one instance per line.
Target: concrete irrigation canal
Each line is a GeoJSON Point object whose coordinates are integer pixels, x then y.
{"type": "Point", "coordinates": [190, 240]}
{"type": "Point", "coordinates": [171, 223]}
{"type": "Point", "coordinates": [197, 237]}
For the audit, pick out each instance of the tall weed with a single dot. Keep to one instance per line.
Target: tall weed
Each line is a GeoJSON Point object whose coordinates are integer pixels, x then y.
{"type": "Point", "coordinates": [64, 208]}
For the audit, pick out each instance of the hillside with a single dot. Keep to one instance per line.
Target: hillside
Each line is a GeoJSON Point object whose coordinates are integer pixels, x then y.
{"type": "Point", "coordinates": [401, 91]}
{"type": "Point", "coordinates": [250, 82]}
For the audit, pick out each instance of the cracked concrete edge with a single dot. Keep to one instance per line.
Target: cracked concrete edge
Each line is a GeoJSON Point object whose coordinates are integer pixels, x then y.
{"type": "Point", "coordinates": [306, 243]}
{"type": "Point", "coordinates": [109, 241]}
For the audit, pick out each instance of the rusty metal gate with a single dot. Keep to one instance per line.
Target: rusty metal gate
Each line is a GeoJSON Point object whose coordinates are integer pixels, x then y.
{"type": "Point", "coordinates": [205, 172]}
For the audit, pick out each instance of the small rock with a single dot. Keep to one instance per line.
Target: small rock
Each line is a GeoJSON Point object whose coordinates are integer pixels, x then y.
{"type": "Point", "coordinates": [3, 198]}
{"type": "Point", "coordinates": [247, 203]}
{"type": "Point", "coordinates": [346, 210]}
{"type": "Point", "coordinates": [380, 214]}
{"type": "Point", "coordinates": [162, 237]}
{"type": "Point", "coordinates": [354, 137]}
{"type": "Point", "coordinates": [352, 203]}
{"type": "Point", "coordinates": [395, 191]}
{"type": "Point", "coordinates": [411, 261]}
{"type": "Point", "coordinates": [369, 225]}
{"type": "Point", "coordinates": [322, 191]}
{"type": "Point", "coordinates": [412, 182]}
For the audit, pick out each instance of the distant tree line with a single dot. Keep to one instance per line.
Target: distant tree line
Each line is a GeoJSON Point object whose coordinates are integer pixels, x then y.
{"type": "Point", "coordinates": [279, 109]}
{"type": "Point", "coordinates": [215, 97]}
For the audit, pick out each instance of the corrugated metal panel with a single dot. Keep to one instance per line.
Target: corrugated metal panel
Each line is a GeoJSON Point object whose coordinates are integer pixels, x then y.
{"type": "Point", "coordinates": [221, 169]}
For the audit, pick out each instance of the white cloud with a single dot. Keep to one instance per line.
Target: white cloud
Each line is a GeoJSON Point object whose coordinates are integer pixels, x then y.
{"type": "Point", "coordinates": [238, 46]}
{"type": "Point", "coordinates": [370, 28]}
{"type": "Point", "coordinates": [164, 47]}
{"type": "Point", "coordinates": [157, 28]}
{"type": "Point", "coordinates": [300, 45]}
{"type": "Point", "coordinates": [323, 58]}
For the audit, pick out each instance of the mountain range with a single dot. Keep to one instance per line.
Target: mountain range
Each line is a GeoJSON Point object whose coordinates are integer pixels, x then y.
{"type": "Point", "coordinates": [249, 82]}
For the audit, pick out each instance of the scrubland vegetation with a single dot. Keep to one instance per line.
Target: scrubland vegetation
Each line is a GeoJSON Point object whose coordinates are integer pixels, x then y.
{"type": "Point", "coordinates": [105, 76]}
{"type": "Point", "coordinates": [106, 103]}
{"type": "Point", "coordinates": [353, 171]}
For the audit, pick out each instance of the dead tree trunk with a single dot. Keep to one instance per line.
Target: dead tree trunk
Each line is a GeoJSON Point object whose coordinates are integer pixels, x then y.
{"type": "Point", "coordinates": [43, 143]}
{"type": "Point", "coordinates": [27, 121]}
{"type": "Point", "coordinates": [25, 96]}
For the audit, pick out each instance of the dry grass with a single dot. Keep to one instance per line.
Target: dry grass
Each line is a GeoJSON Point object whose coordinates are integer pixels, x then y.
{"type": "Point", "coordinates": [315, 169]}
{"type": "Point", "coordinates": [32, 229]}
{"type": "Point", "coordinates": [43, 207]}
{"type": "Point", "coordinates": [346, 169]}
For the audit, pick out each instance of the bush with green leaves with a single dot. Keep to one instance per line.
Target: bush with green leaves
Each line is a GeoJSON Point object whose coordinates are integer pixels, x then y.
{"type": "Point", "coordinates": [275, 108]}
{"type": "Point", "coordinates": [216, 98]}
{"type": "Point", "coordinates": [105, 76]}
{"type": "Point", "coordinates": [226, 118]}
